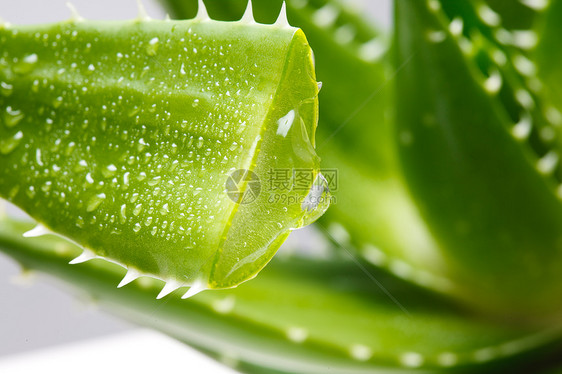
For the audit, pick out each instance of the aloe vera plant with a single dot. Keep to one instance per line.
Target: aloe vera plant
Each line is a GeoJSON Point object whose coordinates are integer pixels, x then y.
{"type": "Point", "coordinates": [444, 136]}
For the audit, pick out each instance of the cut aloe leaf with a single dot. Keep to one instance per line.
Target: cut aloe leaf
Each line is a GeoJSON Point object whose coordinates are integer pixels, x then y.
{"type": "Point", "coordinates": [493, 209]}
{"type": "Point", "coordinates": [299, 316]}
{"type": "Point", "coordinates": [373, 210]}
{"type": "Point", "coordinates": [123, 136]}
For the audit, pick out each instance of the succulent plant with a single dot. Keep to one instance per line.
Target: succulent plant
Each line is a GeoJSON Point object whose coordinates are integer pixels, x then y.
{"type": "Point", "coordinates": [445, 138]}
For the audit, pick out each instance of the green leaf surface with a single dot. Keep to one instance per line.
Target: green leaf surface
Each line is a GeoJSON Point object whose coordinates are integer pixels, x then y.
{"type": "Point", "coordinates": [300, 316]}
{"type": "Point", "coordinates": [122, 136]}
{"type": "Point", "coordinates": [495, 213]}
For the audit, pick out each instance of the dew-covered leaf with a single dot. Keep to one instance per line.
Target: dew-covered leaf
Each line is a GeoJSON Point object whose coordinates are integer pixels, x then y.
{"type": "Point", "coordinates": [123, 137]}
{"type": "Point", "coordinates": [300, 316]}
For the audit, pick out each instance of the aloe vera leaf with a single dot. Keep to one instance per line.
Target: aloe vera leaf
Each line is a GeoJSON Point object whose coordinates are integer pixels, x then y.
{"type": "Point", "coordinates": [496, 216]}
{"type": "Point", "coordinates": [128, 131]}
{"type": "Point", "coordinates": [502, 47]}
{"type": "Point", "coordinates": [372, 209]}
{"type": "Point", "coordinates": [298, 316]}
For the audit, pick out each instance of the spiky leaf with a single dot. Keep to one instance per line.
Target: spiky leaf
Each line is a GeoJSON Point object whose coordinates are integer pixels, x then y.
{"type": "Point", "coordinates": [122, 136]}
{"type": "Point", "coordinates": [299, 315]}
